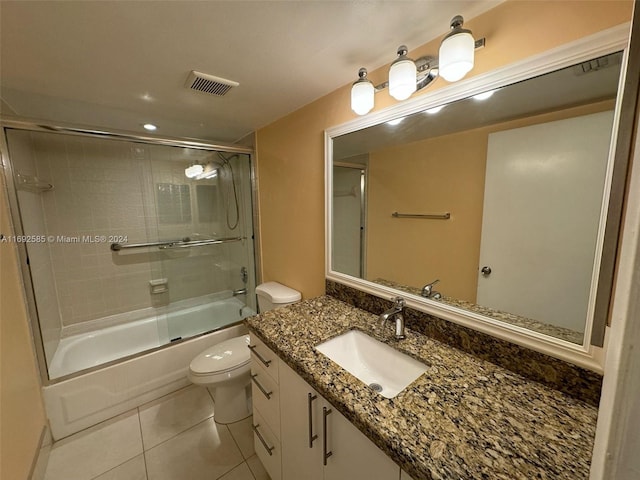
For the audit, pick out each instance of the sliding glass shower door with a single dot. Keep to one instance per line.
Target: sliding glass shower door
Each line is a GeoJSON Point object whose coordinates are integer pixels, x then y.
{"type": "Point", "coordinates": [125, 233]}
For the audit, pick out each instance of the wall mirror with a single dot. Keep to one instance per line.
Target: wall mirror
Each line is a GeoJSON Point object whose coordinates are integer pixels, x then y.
{"type": "Point", "coordinates": [487, 205]}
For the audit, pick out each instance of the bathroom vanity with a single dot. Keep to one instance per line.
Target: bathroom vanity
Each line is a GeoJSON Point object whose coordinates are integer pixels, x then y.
{"type": "Point", "coordinates": [463, 418]}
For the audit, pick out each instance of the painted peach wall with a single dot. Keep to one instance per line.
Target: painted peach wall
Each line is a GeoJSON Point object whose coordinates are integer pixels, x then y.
{"type": "Point", "coordinates": [22, 415]}
{"type": "Point", "coordinates": [290, 151]}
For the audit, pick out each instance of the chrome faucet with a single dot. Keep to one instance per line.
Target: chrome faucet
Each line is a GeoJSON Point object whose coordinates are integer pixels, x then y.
{"type": "Point", "coordinates": [395, 313]}
{"type": "Point", "coordinates": [240, 291]}
{"type": "Point", "coordinates": [428, 292]}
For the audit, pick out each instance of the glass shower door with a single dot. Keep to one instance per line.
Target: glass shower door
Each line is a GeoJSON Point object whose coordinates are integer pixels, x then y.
{"type": "Point", "coordinates": [206, 278]}
{"type": "Point", "coordinates": [134, 253]}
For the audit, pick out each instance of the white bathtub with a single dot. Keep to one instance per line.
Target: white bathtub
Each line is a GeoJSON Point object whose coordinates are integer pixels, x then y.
{"type": "Point", "coordinates": [89, 349]}
{"type": "Point", "coordinates": [79, 402]}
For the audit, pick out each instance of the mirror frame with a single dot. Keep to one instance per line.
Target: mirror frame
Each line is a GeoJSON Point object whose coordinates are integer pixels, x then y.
{"type": "Point", "coordinates": [588, 355]}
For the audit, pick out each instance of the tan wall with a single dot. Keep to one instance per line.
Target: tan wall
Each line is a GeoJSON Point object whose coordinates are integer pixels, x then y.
{"type": "Point", "coordinates": [442, 174]}
{"type": "Point", "coordinates": [291, 150]}
{"type": "Point", "coordinates": [22, 416]}
{"type": "Point", "coordinates": [428, 177]}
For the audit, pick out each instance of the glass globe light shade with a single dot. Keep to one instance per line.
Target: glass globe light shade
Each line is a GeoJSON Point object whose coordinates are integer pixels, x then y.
{"type": "Point", "coordinates": [402, 78]}
{"type": "Point", "coordinates": [193, 171]}
{"type": "Point", "coordinates": [362, 97]}
{"type": "Point", "coordinates": [456, 56]}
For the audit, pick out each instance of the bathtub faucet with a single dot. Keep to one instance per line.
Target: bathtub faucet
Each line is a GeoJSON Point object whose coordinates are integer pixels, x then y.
{"type": "Point", "coordinates": [240, 291]}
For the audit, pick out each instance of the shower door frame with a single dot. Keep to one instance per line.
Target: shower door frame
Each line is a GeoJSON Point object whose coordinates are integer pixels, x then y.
{"type": "Point", "coordinates": [8, 178]}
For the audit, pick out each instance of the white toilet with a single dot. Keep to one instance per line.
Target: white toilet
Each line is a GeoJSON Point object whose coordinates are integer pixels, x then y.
{"type": "Point", "coordinates": [274, 295]}
{"type": "Point", "coordinates": [225, 368]}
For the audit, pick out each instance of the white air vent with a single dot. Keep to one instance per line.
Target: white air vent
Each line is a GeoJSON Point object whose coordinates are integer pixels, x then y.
{"type": "Point", "coordinates": [597, 64]}
{"type": "Point", "coordinates": [209, 84]}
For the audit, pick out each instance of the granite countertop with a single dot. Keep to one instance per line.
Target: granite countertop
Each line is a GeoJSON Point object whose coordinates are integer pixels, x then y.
{"type": "Point", "coordinates": [464, 418]}
{"type": "Point", "coordinates": [511, 318]}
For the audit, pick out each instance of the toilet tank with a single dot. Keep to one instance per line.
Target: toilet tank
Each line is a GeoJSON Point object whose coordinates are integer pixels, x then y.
{"type": "Point", "coordinates": [274, 295]}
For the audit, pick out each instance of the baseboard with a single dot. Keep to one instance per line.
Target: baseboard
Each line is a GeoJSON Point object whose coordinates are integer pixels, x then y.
{"type": "Point", "coordinates": [41, 458]}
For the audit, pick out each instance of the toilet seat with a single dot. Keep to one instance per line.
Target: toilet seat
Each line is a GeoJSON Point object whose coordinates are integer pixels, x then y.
{"type": "Point", "coordinates": [223, 361]}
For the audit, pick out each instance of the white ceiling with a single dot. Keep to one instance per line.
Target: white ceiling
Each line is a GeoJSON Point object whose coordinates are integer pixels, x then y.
{"type": "Point", "coordinates": [119, 64]}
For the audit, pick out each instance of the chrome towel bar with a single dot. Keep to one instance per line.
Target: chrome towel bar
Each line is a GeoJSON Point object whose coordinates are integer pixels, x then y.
{"type": "Point", "coordinates": [434, 216]}
{"type": "Point", "coordinates": [185, 243]}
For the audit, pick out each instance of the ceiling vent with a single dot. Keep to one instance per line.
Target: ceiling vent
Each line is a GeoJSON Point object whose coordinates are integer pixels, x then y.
{"type": "Point", "coordinates": [202, 82]}
{"type": "Point", "coordinates": [597, 64]}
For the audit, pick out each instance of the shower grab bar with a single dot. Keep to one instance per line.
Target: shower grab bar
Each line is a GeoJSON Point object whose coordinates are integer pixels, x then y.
{"type": "Point", "coordinates": [185, 243]}
{"type": "Point", "coordinates": [434, 216]}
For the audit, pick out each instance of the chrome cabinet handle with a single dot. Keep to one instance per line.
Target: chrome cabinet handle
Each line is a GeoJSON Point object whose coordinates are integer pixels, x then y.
{"type": "Point", "coordinates": [262, 389]}
{"type": "Point", "coordinates": [312, 437]}
{"type": "Point", "coordinates": [260, 357]}
{"type": "Point", "coordinates": [325, 454]}
{"type": "Point", "coordinates": [262, 440]}
{"type": "Point", "coordinates": [486, 271]}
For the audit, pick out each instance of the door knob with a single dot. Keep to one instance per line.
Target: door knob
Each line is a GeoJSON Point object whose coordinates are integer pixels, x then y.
{"type": "Point", "coordinates": [486, 271]}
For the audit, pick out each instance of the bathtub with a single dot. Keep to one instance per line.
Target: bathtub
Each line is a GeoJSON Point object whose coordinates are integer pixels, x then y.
{"type": "Point", "coordinates": [76, 403]}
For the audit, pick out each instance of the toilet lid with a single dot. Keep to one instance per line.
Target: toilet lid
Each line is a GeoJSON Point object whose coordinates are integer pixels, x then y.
{"type": "Point", "coordinates": [222, 357]}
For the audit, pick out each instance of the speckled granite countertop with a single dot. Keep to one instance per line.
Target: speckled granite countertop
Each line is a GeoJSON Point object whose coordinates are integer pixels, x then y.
{"type": "Point", "coordinates": [464, 418]}
{"type": "Point", "coordinates": [511, 318]}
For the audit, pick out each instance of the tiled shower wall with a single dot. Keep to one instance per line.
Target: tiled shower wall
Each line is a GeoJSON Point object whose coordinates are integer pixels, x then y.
{"type": "Point", "coordinates": [105, 189]}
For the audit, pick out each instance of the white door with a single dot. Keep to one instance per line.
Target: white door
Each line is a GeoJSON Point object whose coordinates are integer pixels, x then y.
{"type": "Point", "coordinates": [543, 194]}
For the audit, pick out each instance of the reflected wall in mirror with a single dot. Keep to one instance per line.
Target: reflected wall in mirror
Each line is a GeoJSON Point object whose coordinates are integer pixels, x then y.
{"type": "Point", "coordinates": [499, 199]}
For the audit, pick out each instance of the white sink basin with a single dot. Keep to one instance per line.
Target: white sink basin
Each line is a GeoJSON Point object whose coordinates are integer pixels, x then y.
{"type": "Point", "coordinates": [378, 365]}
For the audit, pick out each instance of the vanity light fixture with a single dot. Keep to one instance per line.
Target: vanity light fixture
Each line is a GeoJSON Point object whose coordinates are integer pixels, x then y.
{"type": "Point", "coordinates": [402, 75]}
{"type": "Point", "coordinates": [456, 51]}
{"type": "Point", "coordinates": [407, 76]}
{"type": "Point", "coordinates": [362, 93]}
{"type": "Point", "coordinates": [193, 171]}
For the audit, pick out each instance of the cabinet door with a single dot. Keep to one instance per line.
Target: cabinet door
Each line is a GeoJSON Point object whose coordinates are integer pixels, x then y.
{"type": "Point", "coordinates": [353, 455]}
{"type": "Point", "coordinates": [299, 460]}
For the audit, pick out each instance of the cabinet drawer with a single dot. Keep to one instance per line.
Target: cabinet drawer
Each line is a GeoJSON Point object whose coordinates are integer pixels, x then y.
{"type": "Point", "coordinates": [263, 355]}
{"type": "Point", "coordinates": [266, 396]}
{"type": "Point", "coordinates": [267, 446]}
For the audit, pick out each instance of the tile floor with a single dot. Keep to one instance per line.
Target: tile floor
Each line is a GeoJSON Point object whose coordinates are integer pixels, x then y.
{"type": "Point", "coordinates": [172, 438]}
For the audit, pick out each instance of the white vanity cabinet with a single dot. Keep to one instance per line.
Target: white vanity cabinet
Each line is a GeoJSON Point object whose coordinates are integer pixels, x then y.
{"type": "Point", "coordinates": [265, 393]}
{"type": "Point", "coordinates": [318, 443]}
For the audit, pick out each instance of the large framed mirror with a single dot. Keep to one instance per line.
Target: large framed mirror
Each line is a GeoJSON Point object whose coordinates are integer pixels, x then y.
{"type": "Point", "coordinates": [486, 202]}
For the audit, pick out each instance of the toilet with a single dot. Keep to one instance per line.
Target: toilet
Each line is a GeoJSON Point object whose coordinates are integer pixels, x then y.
{"type": "Point", "coordinates": [274, 295]}
{"type": "Point", "coordinates": [225, 367]}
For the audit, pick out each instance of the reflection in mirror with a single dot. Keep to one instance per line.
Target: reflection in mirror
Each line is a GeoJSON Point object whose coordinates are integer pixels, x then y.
{"type": "Point", "coordinates": [498, 197]}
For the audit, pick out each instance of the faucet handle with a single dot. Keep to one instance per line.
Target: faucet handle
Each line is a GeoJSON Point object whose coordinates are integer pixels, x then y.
{"type": "Point", "coordinates": [398, 302]}
{"type": "Point", "coordinates": [428, 288]}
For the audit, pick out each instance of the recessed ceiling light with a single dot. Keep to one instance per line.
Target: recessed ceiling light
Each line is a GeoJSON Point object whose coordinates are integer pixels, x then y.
{"type": "Point", "coordinates": [150, 127]}
{"type": "Point", "coordinates": [395, 121]}
{"type": "Point", "coordinates": [434, 110]}
{"type": "Point", "coordinates": [483, 95]}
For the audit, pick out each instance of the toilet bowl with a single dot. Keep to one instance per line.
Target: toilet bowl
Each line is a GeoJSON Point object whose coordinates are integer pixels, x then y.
{"type": "Point", "coordinates": [225, 370]}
